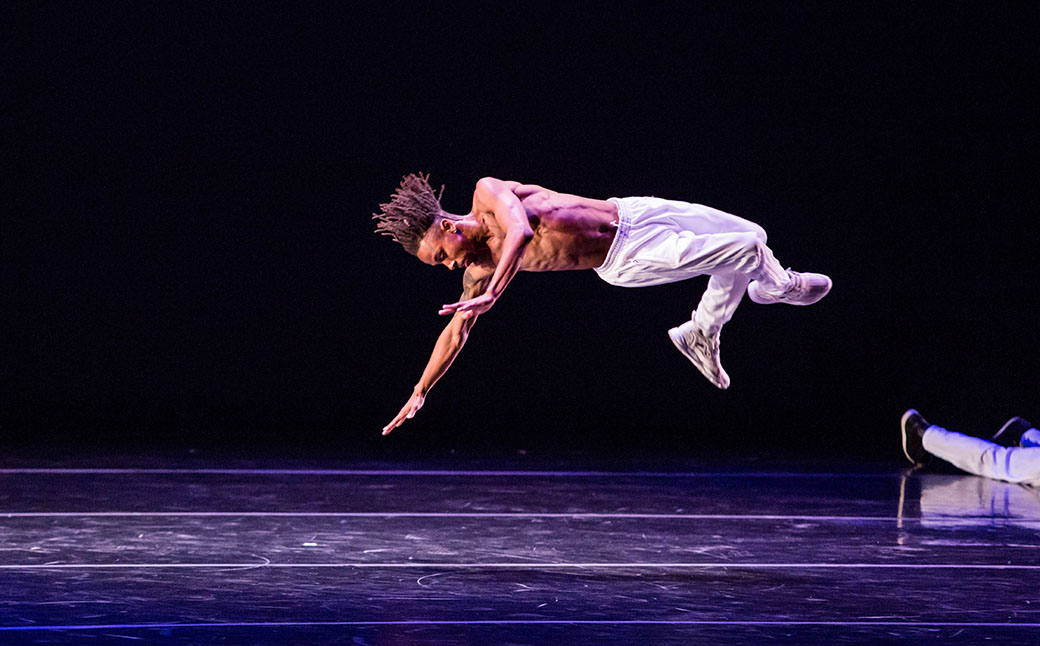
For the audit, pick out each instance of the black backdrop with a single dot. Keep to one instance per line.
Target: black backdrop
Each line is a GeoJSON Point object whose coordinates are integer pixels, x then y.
{"type": "Point", "coordinates": [188, 257]}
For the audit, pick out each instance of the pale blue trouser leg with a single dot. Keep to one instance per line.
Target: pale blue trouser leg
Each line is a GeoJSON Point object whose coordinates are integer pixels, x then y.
{"type": "Point", "coordinates": [984, 458]}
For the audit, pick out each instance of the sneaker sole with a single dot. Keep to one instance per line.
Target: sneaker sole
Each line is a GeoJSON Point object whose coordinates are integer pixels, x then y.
{"type": "Point", "coordinates": [680, 343]}
{"type": "Point", "coordinates": [902, 431]}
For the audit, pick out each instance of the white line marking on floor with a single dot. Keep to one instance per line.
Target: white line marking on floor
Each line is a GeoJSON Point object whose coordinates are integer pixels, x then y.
{"type": "Point", "coordinates": [503, 515]}
{"type": "Point", "coordinates": [441, 473]}
{"type": "Point", "coordinates": [519, 565]}
{"type": "Point", "coordinates": [524, 622]}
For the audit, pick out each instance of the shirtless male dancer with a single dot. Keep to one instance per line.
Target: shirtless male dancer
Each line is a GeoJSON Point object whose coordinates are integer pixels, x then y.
{"type": "Point", "coordinates": [629, 242]}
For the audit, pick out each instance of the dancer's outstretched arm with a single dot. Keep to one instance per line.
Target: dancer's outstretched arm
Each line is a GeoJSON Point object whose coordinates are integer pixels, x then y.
{"type": "Point", "coordinates": [451, 340]}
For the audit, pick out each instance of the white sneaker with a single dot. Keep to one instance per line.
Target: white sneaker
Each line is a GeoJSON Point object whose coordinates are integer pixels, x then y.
{"type": "Point", "coordinates": [701, 350]}
{"type": "Point", "coordinates": [805, 289]}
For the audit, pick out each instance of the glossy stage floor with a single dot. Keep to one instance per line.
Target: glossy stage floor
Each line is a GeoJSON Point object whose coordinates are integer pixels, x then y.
{"type": "Point", "coordinates": [193, 551]}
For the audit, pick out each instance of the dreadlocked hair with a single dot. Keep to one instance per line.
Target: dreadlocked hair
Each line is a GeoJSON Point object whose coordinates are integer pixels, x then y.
{"type": "Point", "coordinates": [412, 209]}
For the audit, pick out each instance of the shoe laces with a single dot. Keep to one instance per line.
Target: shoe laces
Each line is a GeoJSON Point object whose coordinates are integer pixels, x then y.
{"type": "Point", "coordinates": [797, 282]}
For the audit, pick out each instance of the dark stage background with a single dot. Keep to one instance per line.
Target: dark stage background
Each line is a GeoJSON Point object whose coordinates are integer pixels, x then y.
{"type": "Point", "coordinates": [188, 257]}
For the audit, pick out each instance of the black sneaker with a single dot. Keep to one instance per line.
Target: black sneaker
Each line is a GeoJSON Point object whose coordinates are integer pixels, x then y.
{"type": "Point", "coordinates": [1010, 434]}
{"type": "Point", "coordinates": [913, 428]}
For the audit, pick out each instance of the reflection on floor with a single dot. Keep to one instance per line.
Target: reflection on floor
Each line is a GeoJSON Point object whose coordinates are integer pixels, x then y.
{"type": "Point", "coordinates": [952, 501]}
{"type": "Point", "coordinates": [198, 553]}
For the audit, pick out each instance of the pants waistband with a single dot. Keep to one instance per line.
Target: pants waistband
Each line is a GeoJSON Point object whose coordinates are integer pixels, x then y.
{"type": "Point", "coordinates": [624, 226]}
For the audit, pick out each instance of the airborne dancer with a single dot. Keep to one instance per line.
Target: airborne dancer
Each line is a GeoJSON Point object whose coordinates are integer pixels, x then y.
{"type": "Point", "coordinates": [629, 242]}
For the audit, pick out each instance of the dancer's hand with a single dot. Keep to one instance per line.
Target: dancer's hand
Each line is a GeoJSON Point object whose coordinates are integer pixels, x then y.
{"type": "Point", "coordinates": [415, 402]}
{"type": "Point", "coordinates": [471, 307]}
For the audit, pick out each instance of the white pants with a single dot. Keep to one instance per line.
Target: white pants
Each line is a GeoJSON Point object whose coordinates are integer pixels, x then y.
{"type": "Point", "coordinates": [663, 241]}
{"type": "Point", "coordinates": [984, 458]}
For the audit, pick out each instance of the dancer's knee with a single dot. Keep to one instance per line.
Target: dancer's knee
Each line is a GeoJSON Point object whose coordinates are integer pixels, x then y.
{"type": "Point", "coordinates": [753, 246]}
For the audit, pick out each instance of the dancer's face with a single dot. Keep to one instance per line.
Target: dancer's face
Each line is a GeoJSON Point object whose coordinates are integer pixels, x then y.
{"type": "Point", "coordinates": [446, 244]}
